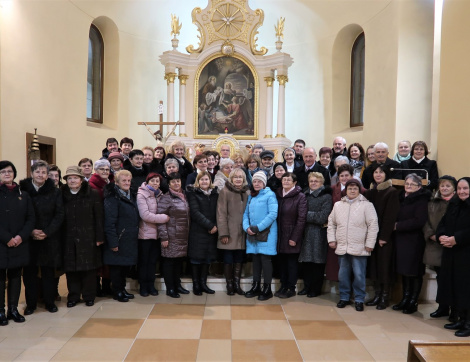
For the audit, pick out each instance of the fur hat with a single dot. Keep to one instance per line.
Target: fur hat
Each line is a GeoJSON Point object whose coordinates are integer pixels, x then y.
{"type": "Point", "coordinates": [260, 175]}
{"type": "Point", "coordinates": [73, 171]}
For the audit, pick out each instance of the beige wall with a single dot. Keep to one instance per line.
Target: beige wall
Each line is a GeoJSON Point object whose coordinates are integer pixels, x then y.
{"type": "Point", "coordinates": [43, 62]}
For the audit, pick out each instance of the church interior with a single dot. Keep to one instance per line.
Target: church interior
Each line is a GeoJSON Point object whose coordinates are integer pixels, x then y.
{"type": "Point", "coordinates": [297, 54]}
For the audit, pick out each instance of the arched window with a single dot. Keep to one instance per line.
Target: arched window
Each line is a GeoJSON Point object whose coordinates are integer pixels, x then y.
{"type": "Point", "coordinates": [357, 82]}
{"type": "Point", "coordinates": [94, 94]}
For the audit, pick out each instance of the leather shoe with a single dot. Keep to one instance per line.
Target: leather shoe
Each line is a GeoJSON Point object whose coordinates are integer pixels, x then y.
{"type": "Point", "coordinates": [289, 293]}
{"type": "Point", "coordinates": [127, 294]}
{"type": "Point", "coordinates": [153, 291]}
{"type": "Point", "coordinates": [359, 306]}
{"type": "Point", "coordinates": [15, 315]}
{"type": "Point", "coordinates": [455, 326]}
{"type": "Point", "coordinates": [3, 318]}
{"type": "Point", "coordinates": [280, 291]}
{"type": "Point", "coordinates": [440, 312]}
{"type": "Point", "coordinates": [303, 292]}
{"type": "Point", "coordinates": [312, 294]}
{"type": "Point", "coordinates": [464, 332]}
{"type": "Point", "coordinates": [29, 310]}
{"type": "Point", "coordinates": [144, 293]}
{"type": "Point", "coordinates": [71, 304]}
{"type": "Point", "coordinates": [120, 297]}
{"type": "Point", "coordinates": [90, 303]}
{"type": "Point", "coordinates": [181, 290]}
{"type": "Point", "coordinates": [172, 293]}
{"type": "Point", "coordinates": [52, 308]}
{"type": "Point", "coordinates": [343, 303]}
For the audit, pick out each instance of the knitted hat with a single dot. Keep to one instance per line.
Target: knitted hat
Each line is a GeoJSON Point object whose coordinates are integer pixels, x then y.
{"type": "Point", "coordinates": [114, 155]}
{"type": "Point", "coordinates": [353, 181]}
{"type": "Point", "coordinates": [73, 171]}
{"type": "Point", "coordinates": [152, 175]}
{"type": "Point", "coordinates": [265, 154]}
{"type": "Point", "coordinates": [260, 175]}
{"type": "Point", "coordinates": [452, 180]}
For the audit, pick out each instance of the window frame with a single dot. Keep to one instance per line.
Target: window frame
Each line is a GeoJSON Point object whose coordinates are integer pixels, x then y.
{"type": "Point", "coordinates": [101, 41]}
{"type": "Point", "coordinates": [357, 81]}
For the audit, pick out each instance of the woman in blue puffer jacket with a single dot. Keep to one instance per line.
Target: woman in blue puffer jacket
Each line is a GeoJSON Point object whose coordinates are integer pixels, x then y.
{"type": "Point", "coordinates": [260, 214]}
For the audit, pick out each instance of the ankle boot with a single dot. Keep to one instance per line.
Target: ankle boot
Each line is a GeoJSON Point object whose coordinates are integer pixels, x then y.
{"type": "Point", "coordinates": [203, 279]}
{"type": "Point", "coordinates": [406, 287]}
{"type": "Point", "coordinates": [441, 311]}
{"type": "Point", "coordinates": [15, 315]}
{"type": "Point", "coordinates": [237, 275]}
{"type": "Point", "coordinates": [266, 293]}
{"type": "Point", "coordinates": [384, 299]}
{"type": "Point", "coordinates": [120, 297]}
{"type": "Point", "coordinates": [416, 284]}
{"type": "Point", "coordinates": [196, 273]}
{"type": "Point", "coordinates": [3, 318]}
{"type": "Point", "coordinates": [228, 272]}
{"type": "Point", "coordinates": [465, 331]}
{"type": "Point", "coordinates": [457, 325]}
{"type": "Point", "coordinates": [378, 294]}
{"type": "Point", "coordinates": [255, 290]}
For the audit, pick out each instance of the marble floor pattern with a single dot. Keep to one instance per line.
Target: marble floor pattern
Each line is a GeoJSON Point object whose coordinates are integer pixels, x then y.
{"type": "Point", "coordinates": [217, 328]}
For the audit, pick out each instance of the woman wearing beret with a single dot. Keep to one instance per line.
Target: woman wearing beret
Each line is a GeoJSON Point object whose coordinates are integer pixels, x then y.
{"type": "Point", "coordinates": [16, 224]}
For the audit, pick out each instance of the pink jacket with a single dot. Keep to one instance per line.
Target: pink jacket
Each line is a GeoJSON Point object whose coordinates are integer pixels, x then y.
{"type": "Point", "coordinates": [147, 204]}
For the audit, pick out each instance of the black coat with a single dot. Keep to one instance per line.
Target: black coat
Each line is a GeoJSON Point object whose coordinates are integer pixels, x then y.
{"type": "Point", "coordinates": [49, 209]}
{"type": "Point", "coordinates": [82, 229]}
{"type": "Point", "coordinates": [138, 176]}
{"type": "Point", "coordinates": [16, 218]}
{"type": "Point", "coordinates": [203, 209]}
{"type": "Point", "coordinates": [302, 175]}
{"type": "Point", "coordinates": [274, 183]}
{"type": "Point", "coordinates": [409, 237]}
{"type": "Point", "coordinates": [426, 164]}
{"type": "Point", "coordinates": [454, 286]}
{"type": "Point", "coordinates": [184, 169]}
{"type": "Point", "coordinates": [368, 177]}
{"type": "Point", "coordinates": [121, 226]}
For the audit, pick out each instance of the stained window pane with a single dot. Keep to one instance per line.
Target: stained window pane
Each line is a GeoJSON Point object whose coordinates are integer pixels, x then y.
{"type": "Point", "coordinates": [357, 82]}
{"type": "Point", "coordinates": [95, 76]}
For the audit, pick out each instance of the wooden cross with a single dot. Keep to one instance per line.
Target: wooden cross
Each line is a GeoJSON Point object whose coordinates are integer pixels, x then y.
{"type": "Point", "coordinates": [159, 134]}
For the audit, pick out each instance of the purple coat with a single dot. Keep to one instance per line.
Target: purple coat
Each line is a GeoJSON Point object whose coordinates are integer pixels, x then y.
{"type": "Point", "coordinates": [292, 215]}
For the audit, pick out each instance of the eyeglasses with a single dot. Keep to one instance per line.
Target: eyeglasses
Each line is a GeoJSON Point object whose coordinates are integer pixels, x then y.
{"type": "Point", "coordinates": [4, 172]}
{"type": "Point", "coordinates": [411, 185]}
{"type": "Point", "coordinates": [103, 169]}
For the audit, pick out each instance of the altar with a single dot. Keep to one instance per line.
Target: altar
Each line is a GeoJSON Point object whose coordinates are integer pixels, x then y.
{"type": "Point", "coordinates": [225, 82]}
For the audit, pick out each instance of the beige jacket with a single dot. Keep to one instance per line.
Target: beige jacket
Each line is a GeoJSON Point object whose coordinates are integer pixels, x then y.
{"type": "Point", "coordinates": [353, 226]}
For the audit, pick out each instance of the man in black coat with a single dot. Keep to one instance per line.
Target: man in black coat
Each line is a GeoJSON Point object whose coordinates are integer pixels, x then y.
{"type": "Point", "coordinates": [299, 146]}
{"type": "Point", "coordinates": [309, 158]}
{"type": "Point", "coordinates": [381, 157]}
{"type": "Point", "coordinates": [135, 165]}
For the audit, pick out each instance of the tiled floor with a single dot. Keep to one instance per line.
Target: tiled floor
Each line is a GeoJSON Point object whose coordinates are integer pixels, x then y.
{"type": "Point", "coordinates": [217, 328]}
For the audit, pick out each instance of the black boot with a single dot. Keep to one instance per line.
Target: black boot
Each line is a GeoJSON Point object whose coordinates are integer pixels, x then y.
{"type": "Point", "coordinates": [203, 279]}
{"type": "Point", "coordinates": [237, 275]}
{"type": "Point", "coordinates": [127, 294]}
{"type": "Point", "coordinates": [416, 284]}
{"type": "Point", "coordinates": [378, 294]}
{"type": "Point", "coordinates": [406, 294]}
{"type": "Point", "coordinates": [282, 290]}
{"type": "Point", "coordinates": [120, 297]}
{"type": "Point", "coordinates": [228, 272]}
{"type": "Point", "coordinates": [180, 289]}
{"type": "Point", "coordinates": [453, 316]}
{"type": "Point", "coordinates": [196, 274]}
{"type": "Point", "coordinates": [3, 318]}
{"type": "Point", "coordinates": [441, 311]}
{"type": "Point", "coordinates": [267, 293]}
{"type": "Point", "coordinates": [255, 290]}
{"type": "Point", "coordinates": [384, 298]}
{"type": "Point", "coordinates": [457, 325]}
{"type": "Point", "coordinates": [143, 289]}
{"type": "Point", "coordinates": [15, 315]}
{"type": "Point", "coordinates": [464, 331]}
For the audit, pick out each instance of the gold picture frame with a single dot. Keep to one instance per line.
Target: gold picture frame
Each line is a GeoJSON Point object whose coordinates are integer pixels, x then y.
{"type": "Point", "coordinates": [226, 95]}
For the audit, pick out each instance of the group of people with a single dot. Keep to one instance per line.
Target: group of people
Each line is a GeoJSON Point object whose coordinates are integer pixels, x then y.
{"type": "Point", "coordinates": [340, 216]}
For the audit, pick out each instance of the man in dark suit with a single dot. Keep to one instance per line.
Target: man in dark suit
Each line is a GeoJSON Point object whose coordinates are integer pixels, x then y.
{"type": "Point", "coordinates": [309, 158]}
{"type": "Point", "coordinates": [381, 157]}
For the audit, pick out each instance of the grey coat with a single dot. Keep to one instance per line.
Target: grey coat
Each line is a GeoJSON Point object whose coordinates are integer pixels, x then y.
{"type": "Point", "coordinates": [315, 244]}
{"type": "Point", "coordinates": [433, 250]}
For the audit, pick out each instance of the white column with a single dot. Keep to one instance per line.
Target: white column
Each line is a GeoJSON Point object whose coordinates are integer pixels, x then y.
{"type": "Point", "coordinates": [269, 107]}
{"type": "Point", "coordinates": [170, 96]}
{"type": "Point", "coordinates": [182, 127]}
{"type": "Point", "coordinates": [281, 109]}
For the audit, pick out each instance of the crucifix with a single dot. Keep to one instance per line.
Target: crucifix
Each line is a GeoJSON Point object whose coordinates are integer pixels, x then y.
{"type": "Point", "coordinates": [158, 135]}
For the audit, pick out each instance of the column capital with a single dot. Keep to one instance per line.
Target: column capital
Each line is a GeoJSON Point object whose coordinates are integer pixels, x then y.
{"type": "Point", "coordinates": [280, 135]}
{"type": "Point", "coordinates": [268, 136]}
{"type": "Point", "coordinates": [170, 77]}
{"type": "Point", "coordinates": [282, 79]}
{"type": "Point", "coordinates": [183, 78]}
{"type": "Point", "coordinates": [269, 81]}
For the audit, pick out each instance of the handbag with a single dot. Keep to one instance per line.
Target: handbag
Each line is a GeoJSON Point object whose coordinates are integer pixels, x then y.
{"type": "Point", "coordinates": [261, 236]}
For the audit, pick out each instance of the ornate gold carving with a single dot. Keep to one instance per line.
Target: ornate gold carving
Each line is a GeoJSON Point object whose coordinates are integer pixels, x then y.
{"type": "Point", "coordinates": [268, 136]}
{"type": "Point", "coordinates": [170, 77]}
{"type": "Point", "coordinates": [175, 25]}
{"type": "Point", "coordinates": [183, 78]}
{"type": "Point", "coordinates": [183, 135]}
{"type": "Point", "coordinates": [269, 81]}
{"type": "Point", "coordinates": [201, 37]}
{"type": "Point", "coordinates": [282, 79]}
{"type": "Point", "coordinates": [227, 48]}
{"type": "Point", "coordinates": [280, 28]}
{"type": "Point", "coordinates": [280, 135]}
{"type": "Point", "coordinates": [255, 32]}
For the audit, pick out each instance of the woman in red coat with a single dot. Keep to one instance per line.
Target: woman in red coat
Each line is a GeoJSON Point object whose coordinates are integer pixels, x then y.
{"type": "Point", "coordinates": [291, 219]}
